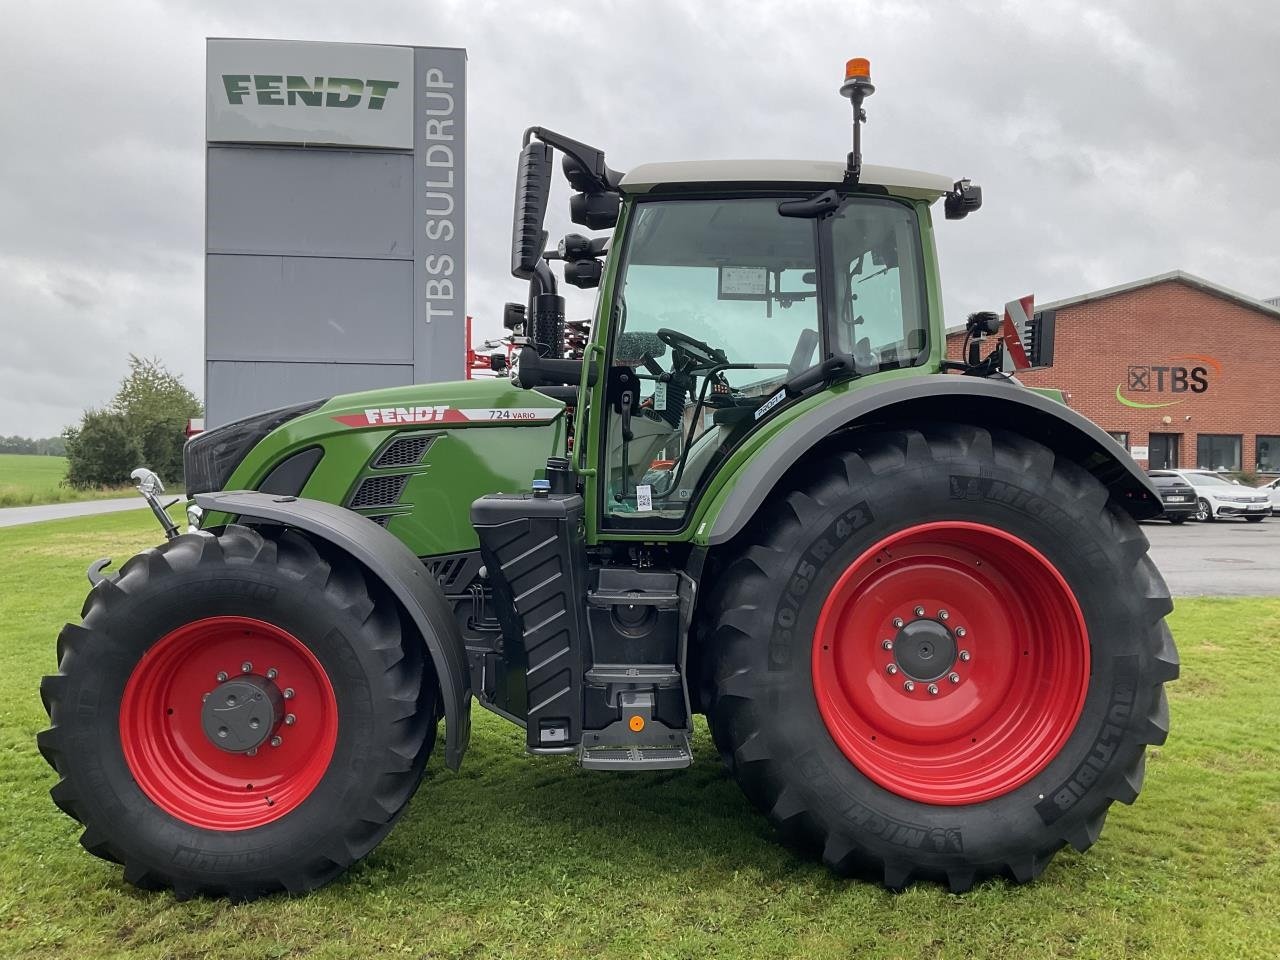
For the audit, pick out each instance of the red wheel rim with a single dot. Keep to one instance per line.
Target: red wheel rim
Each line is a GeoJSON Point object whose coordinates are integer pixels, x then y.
{"type": "Point", "coordinates": [175, 762]}
{"type": "Point", "coordinates": [1009, 684]}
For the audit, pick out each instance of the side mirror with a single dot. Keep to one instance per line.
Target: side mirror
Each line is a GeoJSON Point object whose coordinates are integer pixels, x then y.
{"type": "Point", "coordinates": [147, 482]}
{"type": "Point", "coordinates": [533, 189]}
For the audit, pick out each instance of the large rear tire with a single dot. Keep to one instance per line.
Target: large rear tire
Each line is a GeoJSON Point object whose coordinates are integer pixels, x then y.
{"type": "Point", "coordinates": [237, 715]}
{"type": "Point", "coordinates": [940, 655]}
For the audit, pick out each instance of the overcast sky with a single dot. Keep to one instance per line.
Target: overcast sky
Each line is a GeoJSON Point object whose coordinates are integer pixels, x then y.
{"type": "Point", "coordinates": [1113, 141]}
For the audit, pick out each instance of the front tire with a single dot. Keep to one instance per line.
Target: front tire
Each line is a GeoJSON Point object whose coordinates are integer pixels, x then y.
{"type": "Point", "coordinates": [237, 715]}
{"type": "Point", "coordinates": [972, 744]}
{"type": "Point", "coordinates": [1204, 511]}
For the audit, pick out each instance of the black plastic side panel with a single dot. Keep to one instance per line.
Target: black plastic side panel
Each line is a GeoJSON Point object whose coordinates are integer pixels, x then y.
{"type": "Point", "coordinates": [533, 550]}
{"type": "Point", "coordinates": [991, 403]}
{"type": "Point", "coordinates": [289, 476]}
{"type": "Point", "coordinates": [388, 559]}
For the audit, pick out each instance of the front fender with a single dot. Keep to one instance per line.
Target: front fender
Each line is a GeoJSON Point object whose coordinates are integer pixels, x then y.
{"type": "Point", "coordinates": [390, 561]}
{"type": "Point", "coordinates": [990, 403]}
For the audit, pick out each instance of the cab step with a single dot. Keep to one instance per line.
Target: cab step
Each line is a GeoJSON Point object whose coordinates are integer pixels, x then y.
{"type": "Point", "coordinates": [667, 757]}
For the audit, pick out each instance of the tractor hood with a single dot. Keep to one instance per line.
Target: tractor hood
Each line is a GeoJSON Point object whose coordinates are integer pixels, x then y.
{"type": "Point", "coordinates": [387, 453]}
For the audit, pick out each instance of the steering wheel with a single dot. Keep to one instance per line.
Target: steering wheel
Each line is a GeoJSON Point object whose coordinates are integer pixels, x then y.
{"type": "Point", "coordinates": [700, 355]}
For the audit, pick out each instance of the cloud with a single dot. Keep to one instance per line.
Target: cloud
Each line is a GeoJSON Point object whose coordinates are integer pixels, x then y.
{"type": "Point", "coordinates": [1114, 140]}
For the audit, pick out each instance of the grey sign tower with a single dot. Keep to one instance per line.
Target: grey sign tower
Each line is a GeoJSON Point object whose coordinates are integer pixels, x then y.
{"type": "Point", "coordinates": [335, 220]}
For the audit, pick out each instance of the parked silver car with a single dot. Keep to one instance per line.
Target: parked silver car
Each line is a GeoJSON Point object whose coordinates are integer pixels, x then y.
{"type": "Point", "coordinates": [1217, 497]}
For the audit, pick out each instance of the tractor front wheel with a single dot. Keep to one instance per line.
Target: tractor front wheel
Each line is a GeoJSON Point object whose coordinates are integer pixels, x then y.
{"type": "Point", "coordinates": [237, 714]}
{"type": "Point", "coordinates": [942, 657]}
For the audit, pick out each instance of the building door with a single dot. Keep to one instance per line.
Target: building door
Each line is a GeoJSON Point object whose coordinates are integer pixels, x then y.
{"type": "Point", "coordinates": [1164, 451]}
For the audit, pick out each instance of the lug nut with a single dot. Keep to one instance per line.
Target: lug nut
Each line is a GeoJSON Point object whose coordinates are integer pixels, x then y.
{"type": "Point", "coordinates": [222, 676]}
{"type": "Point", "coordinates": [897, 622]}
{"type": "Point", "coordinates": [231, 699]}
{"type": "Point", "coordinates": [961, 631]}
{"type": "Point", "coordinates": [953, 677]}
{"type": "Point", "coordinates": [891, 669]}
{"type": "Point", "coordinates": [964, 655]}
{"type": "Point", "coordinates": [919, 611]}
{"type": "Point", "coordinates": [290, 719]}
{"type": "Point", "coordinates": [272, 673]}
{"type": "Point", "coordinates": [222, 733]}
{"type": "Point", "coordinates": [276, 741]}
{"type": "Point", "coordinates": [943, 615]}
{"type": "Point", "coordinates": [254, 723]}
{"type": "Point", "coordinates": [887, 644]}
{"type": "Point", "coordinates": [246, 667]}
{"type": "Point", "coordinates": [909, 686]}
{"type": "Point", "coordinates": [933, 689]}
{"type": "Point", "coordinates": [288, 693]}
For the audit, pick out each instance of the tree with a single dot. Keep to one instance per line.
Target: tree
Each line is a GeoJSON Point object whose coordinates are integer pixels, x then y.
{"type": "Point", "coordinates": [102, 451]}
{"type": "Point", "coordinates": [156, 406]}
{"type": "Point", "coordinates": [144, 424]}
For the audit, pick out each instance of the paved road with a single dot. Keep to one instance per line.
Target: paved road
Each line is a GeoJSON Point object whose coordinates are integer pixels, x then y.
{"type": "Point", "coordinates": [13, 516]}
{"type": "Point", "coordinates": [1228, 558]}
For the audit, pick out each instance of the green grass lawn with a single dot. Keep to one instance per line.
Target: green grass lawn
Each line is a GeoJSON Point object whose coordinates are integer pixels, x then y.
{"type": "Point", "coordinates": [529, 858]}
{"type": "Point", "coordinates": [27, 479]}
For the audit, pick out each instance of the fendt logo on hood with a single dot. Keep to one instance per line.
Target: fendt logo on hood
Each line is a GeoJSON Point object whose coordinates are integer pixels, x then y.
{"type": "Point", "coordinates": [280, 90]}
{"type": "Point", "coordinates": [1175, 375]}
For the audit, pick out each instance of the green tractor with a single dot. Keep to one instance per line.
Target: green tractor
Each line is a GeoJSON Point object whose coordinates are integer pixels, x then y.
{"type": "Point", "coordinates": [909, 595]}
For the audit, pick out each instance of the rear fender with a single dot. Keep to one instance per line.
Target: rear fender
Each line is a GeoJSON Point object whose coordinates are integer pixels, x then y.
{"type": "Point", "coordinates": [902, 402]}
{"type": "Point", "coordinates": [387, 559]}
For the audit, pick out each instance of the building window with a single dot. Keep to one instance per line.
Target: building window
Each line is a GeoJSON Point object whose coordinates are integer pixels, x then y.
{"type": "Point", "coordinates": [1217, 451]}
{"type": "Point", "coordinates": [1121, 437]}
{"type": "Point", "coordinates": [1268, 454]}
{"type": "Point", "coordinates": [1164, 451]}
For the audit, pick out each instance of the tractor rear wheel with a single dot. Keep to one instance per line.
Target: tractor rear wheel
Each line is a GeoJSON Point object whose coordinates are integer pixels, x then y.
{"type": "Point", "coordinates": [941, 657]}
{"type": "Point", "coordinates": [237, 714]}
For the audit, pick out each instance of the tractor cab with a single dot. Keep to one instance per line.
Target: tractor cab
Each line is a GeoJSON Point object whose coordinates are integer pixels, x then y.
{"type": "Point", "coordinates": [732, 291]}
{"type": "Point", "coordinates": [726, 299]}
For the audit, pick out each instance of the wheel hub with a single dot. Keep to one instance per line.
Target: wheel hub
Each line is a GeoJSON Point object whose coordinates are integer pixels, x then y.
{"type": "Point", "coordinates": [925, 650]}
{"type": "Point", "coordinates": [238, 715]}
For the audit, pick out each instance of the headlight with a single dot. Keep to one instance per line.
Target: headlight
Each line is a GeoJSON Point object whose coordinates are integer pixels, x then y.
{"type": "Point", "coordinates": [209, 458]}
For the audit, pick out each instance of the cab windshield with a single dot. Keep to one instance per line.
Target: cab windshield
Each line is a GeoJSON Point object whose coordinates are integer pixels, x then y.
{"type": "Point", "coordinates": [719, 304]}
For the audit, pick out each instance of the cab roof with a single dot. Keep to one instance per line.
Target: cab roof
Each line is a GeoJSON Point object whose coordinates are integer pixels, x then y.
{"type": "Point", "coordinates": [826, 173]}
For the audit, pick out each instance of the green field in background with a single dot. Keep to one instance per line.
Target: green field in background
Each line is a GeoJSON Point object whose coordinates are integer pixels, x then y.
{"type": "Point", "coordinates": [532, 858]}
{"type": "Point", "coordinates": [27, 479]}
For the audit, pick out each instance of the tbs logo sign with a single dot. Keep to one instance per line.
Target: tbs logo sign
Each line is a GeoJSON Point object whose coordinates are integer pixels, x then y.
{"type": "Point", "coordinates": [1159, 384]}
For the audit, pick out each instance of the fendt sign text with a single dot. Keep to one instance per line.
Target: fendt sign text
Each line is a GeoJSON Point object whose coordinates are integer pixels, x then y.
{"type": "Point", "coordinates": [315, 94]}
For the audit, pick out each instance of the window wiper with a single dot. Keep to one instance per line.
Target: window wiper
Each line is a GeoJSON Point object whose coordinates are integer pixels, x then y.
{"type": "Point", "coordinates": [810, 208]}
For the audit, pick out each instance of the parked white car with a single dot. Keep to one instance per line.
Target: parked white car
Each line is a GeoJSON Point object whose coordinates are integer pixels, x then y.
{"type": "Point", "coordinates": [1273, 490]}
{"type": "Point", "coordinates": [1218, 497]}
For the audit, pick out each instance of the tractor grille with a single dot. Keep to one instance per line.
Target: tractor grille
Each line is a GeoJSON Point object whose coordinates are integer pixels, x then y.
{"type": "Point", "coordinates": [404, 452]}
{"type": "Point", "coordinates": [379, 491]}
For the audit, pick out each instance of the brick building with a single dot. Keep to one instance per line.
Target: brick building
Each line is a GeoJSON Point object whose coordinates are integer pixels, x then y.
{"type": "Point", "coordinates": [1179, 370]}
